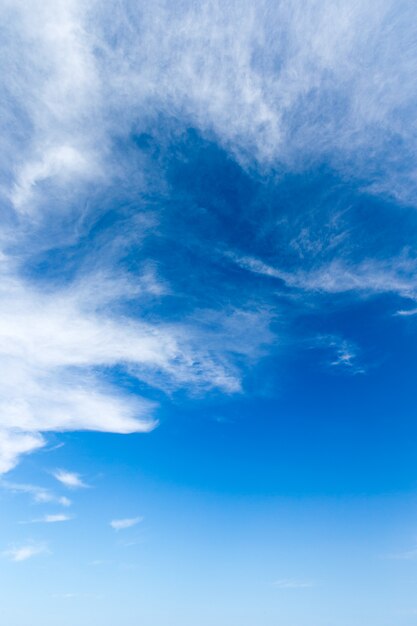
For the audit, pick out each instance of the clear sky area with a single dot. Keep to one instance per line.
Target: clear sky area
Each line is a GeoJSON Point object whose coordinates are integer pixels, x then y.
{"type": "Point", "coordinates": [208, 313]}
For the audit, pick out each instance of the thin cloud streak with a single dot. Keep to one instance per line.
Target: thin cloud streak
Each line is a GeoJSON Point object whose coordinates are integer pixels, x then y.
{"type": "Point", "coordinates": [54, 518]}
{"type": "Point", "coordinates": [24, 552]}
{"type": "Point", "coordinates": [40, 495]}
{"type": "Point", "coordinates": [369, 276]}
{"type": "Point", "coordinates": [123, 524]}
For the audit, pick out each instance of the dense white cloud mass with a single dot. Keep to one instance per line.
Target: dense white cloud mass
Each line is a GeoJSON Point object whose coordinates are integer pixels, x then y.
{"type": "Point", "coordinates": [276, 84]}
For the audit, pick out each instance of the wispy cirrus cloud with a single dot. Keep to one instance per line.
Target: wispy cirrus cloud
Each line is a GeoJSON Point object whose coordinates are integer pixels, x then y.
{"type": "Point", "coordinates": [24, 552]}
{"type": "Point", "coordinates": [71, 480]}
{"type": "Point", "coordinates": [40, 495]}
{"type": "Point", "coordinates": [344, 354]}
{"type": "Point", "coordinates": [294, 85]}
{"type": "Point", "coordinates": [127, 522]}
{"type": "Point", "coordinates": [299, 71]}
{"type": "Point", "coordinates": [53, 518]}
{"type": "Point", "coordinates": [370, 276]}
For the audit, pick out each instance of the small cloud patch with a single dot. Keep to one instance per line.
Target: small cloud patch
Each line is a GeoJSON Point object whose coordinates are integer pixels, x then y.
{"type": "Point", "coordinates": [23, 553]}
{"type": "Point", "coordinates": [123, 524]}
{"type": "Point", "coordinates": [71, 480]}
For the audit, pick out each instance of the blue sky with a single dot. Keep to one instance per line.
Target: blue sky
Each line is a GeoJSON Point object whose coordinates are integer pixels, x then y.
{"type": "Point", "coordinates": [208, 251]}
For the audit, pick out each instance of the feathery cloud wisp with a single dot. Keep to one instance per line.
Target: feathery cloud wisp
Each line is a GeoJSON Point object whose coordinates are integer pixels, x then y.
{"type": "Point", "coordinates": [40, 495]}
{"type": "Point", "coordinates": [56, 517]}
{"type": "Point", "coordinates": [24, 552]}
{"type": "Point", "coordinates": [122, 524]}
{"type": "Point", "coordinates": [72, 480]}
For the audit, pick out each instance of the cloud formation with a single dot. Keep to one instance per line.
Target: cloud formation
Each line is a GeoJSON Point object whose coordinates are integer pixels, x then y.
{"type": "Point", "coordinates": [24, 552]}
{"type": "Point", "coordinates": [123, 524]}
{"type": "Point", "coordinates": [293, 82]}
{"type": "Point", "coordinates": [54, 347]}
{"type": "Point", "coordinates": [370, 276]}
{"type": "Point", "coordinates": [52, 518]}
{"type": "Point", "coordinates": [72, 480]}
{"type": "Point", "coordinates": [40, 495]}
{"type": "Point", "coordinates": [88, 124]}
{"type": "Point", "coordinates": [55, 518]}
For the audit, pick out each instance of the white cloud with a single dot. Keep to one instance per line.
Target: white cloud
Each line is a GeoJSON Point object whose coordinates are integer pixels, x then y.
{"type": "Point", "coordinates": [122, 524]}
{"type": "Point", "coordinates": [391, 276]}
{"type": "Point", "coordinates": [53, 518]}
{"type": "Point", "coordinates": [56, 517]}
{"type": "Point", "coordinates": [56, 89]}
{"type": "Point", "coordinates": [24, 552]}
{"type": "Point", "coordinates": [51, 164]}
{"type": "Point", "coordinates": [55, 344]}
{"type": "Point", "coordinates": [72, 480]}
{"type": "Point", "coordinates": [345, 353]}
{"type": "Point", "coordinates": [257, 266]}
{"type": "Point", "coordinates": [406, 312]}
{"type": "Point", "coordinates": [40, 495]}
{"type": "Point", "coordinates": [281, 83]}
{"type": "Point", "coordinates": [13, 444]}
{"type": "Point", "coordinates": [346, 357]}
{"type": "Point", "coordinates": [394, 275]}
